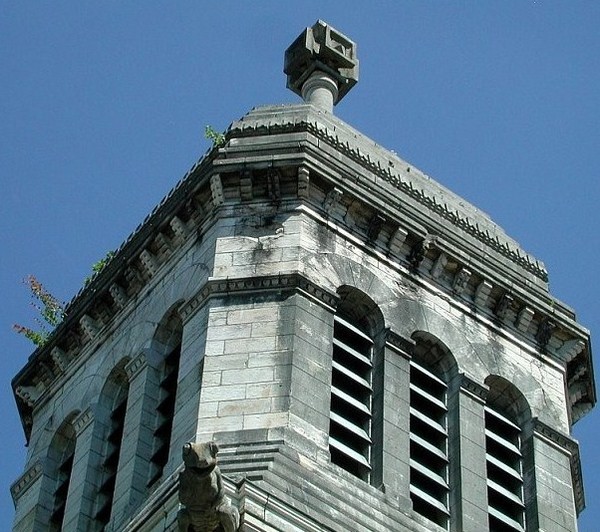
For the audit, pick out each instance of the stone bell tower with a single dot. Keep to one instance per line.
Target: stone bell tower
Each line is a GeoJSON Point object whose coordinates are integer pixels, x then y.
{"type": "Point", "coordinates": [366, 350]}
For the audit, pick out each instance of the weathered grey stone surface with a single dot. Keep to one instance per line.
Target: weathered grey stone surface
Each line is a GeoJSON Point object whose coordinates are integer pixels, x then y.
{"type": "Point", "coordinates": [251, 251]}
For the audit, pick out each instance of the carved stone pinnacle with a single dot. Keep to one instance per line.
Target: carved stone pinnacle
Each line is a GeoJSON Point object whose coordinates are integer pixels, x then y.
{"type": "Point", "coordinates": [321, 65]}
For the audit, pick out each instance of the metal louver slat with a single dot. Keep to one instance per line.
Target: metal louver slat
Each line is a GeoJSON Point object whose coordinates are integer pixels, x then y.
{"type": "Point", "coordinates": [356, 430]}
{"type": "Point", "coordinates": [357, 457]}
{"type": "Point", "coordinates": [347, 349]}
{"type": "Point", "coordinates": [428, 447]}
{"type": "Point", "coordinates": [515, 525]}
{"type": "Point", "coordinates": [415, 367]}
{"type": "Point", "coordinates": [428, 421]}
{"type": "Point", "coordinates": [501, 465]}
{"type": "Point", "coordinates": [504, 442]}
{"type": "Point", "coordinates": [429, 499]}
{"type": "Point", "coordinates": [355, 330]}
{"type": "Point", "coordinates": [428, 397]}
{"type": "Point", "coordinates": [502, 491]}
{"type": "Point", "coordinates": [350, 400]}
{"type": "Point", "coordinates": [502, 419]}
{"type": "Point", "coordinates": [431, 475]}
{"type": "Point", "coordinates": [351, 375]}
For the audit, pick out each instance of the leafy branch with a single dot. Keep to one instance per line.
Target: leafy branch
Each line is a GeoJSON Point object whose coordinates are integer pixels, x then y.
{"type": "Point", "coordinates": [217, 139]}
{"type": "Point", "coordinates": [51, 312]}
{"type": "Point", "coordinates": [98, 266]}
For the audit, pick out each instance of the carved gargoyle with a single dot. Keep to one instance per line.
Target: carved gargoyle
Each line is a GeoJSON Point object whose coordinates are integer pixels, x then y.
{"type": "Point", "coordinates": [201, 492]}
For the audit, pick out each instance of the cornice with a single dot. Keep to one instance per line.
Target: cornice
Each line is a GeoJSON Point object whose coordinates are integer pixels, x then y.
{"type": "Point", "coordinates": [478, 276]}
{"type": "Point", "coordinates": [83, 421]}
{"type": "Point", "coordinates": [401, 345]}
{"type": "Point", "coordinates": [25, 481]}
{"type": "Point", "coordinates": [473, 388]}
{"type": "Point", "coordinates": [135, 366]}
{"type": "Point", "coordinates": [217, 287]}
{"type": "Point", "coordinates": [383, 168]}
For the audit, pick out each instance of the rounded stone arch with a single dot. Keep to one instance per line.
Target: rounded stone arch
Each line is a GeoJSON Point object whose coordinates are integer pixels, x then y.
{"type": "Point", "coordinates": [404, 314]}
{"type": "Point", "coordinates": [479, 354]}
{"type": "Point", "coordinates": [431, 352]}
{"type": "Point", "coordinates": [410, 318]}
{"type": "Point", "coordinates": [334, 271]}
{"type": "Point", "coordinates": [58, 467]}
{"type": "Point", "coordinates": [505, 396]}
{"type": "Point", "coordinates": [62, 439]}
{"type": "Point", "coordinates": [115, 386]}
{"type": "Point", "coordinates": [92, 386]}
{"type": "Point", "coordinates": [168, 333]}
{"type": "Point", "coordinates": [357, 350]}
{"type": "Point", "coordinates": [357, 307]}
{"type": "Point", "coordinates": [65, 430]}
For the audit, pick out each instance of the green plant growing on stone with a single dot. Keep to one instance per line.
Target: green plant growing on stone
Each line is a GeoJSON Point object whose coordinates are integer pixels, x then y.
{"type": "Point", "coordinates": [51, 313]}
{"type": "Point", "coordinates": [98, 266]}
{"type": "Point", "coordinates": [217, 139]}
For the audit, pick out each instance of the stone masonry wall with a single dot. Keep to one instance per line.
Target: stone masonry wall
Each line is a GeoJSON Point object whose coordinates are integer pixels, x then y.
{"type": "Point", "coordinates": [255, 374]}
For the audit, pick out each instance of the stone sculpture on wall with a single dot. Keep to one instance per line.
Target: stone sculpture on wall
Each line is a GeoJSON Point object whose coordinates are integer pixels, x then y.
{"type": "Point", "coordinates": [201, 492]}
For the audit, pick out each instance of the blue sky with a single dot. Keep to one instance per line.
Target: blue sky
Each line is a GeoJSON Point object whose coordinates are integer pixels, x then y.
{"type": "Point", "coordinates": [103, 107]}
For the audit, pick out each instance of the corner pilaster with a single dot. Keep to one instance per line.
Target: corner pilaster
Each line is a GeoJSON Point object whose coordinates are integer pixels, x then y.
{"type": "Point", "coordinates": [78, 514]}
{"type": "Point", "coordinates": [134, 461]}
{"type": "Point", "coordinates": [559, 491]}
{"type": "Point", "coordinates": [395, 456]}
{"type": "Point", "coordinates": [468, 461]}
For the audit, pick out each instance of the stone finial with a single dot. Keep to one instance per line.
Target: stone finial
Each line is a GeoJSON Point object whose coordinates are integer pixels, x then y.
{"type": "Point", "coordinates": [321, 65]}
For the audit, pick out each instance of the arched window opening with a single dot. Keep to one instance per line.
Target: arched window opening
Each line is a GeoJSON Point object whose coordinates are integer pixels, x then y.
{"type": "Point", "coordinates": [61, 454]}
{"type": "Point", "coordinates": [431, 369]}
{"type": "Point", "coordinates": [168, 340]}
{"type": "Point", "coordinates": [351, 414]}
{"type": "Point", "coordinates": [113, 402]}
{"type": "Point", "coordinates": [504, 414]}
{"type": "Point", "coordinates": [351, 396]}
